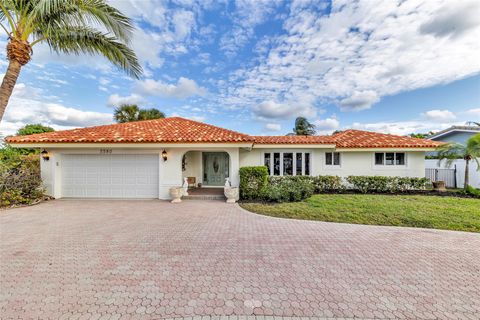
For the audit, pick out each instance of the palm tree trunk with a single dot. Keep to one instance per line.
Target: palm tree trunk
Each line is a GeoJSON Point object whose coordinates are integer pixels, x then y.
{"type": "Point", "coordinates": [467, 173]}
{"type": "Point", "coordinates": [8, 83]}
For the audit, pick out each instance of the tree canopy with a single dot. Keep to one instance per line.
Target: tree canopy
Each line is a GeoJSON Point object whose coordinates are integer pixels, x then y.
{"type": "Point", "coordinates": [33, 129]}
{"type": "Point", "coordinates": [131, 112]}
{"type": "Point", "coordinates": [303, 127]}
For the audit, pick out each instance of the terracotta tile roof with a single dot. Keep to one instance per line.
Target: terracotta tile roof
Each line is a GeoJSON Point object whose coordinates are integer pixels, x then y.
{"type": "Point", "coordinates": [365, 139]}
{"type": "Point", "coordinates": [293, 140]}
{"type": "Point", "coordinates": [180, 130]}
{"type": "Point", "coordinates": [167, 130]}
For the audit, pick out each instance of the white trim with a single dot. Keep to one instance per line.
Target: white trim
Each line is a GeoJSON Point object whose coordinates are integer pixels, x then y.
{"type": "Point", "coordinates": [294, 146]}
{"type": "Point", "coordinates": [332, 166]}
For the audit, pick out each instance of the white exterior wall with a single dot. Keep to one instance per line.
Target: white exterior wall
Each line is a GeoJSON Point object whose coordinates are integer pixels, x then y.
{"type": "Point", "coordinates": [351, 163]}
{"type": "Point", "coordinates": [169, 173]}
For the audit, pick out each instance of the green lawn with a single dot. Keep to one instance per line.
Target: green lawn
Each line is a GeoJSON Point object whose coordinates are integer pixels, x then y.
{"type": "Point", "coordinates": [448, 213]}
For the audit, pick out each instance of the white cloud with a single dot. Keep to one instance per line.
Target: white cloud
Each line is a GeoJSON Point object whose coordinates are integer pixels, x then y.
{"type": "Point", "coordinates": [473, 114]}
{"type": "Point", "coordinates": [273, 127]}
{"type": "Point", "coordinates": [400, 127]}
{"type": "Point", "coordinates": [116, 100]}
{"type": "Point", "coordinates": [183, 89]}
{"type": "Point", "coordinates": [439, 115]}
{"type": "Point", "coordinates": [191, 117]}
{"type": "Point", "coordinates": [359, 52]}
{"type": "Point", "coordinates": [273, 110]}
{"type": "Point", "coordinates": [327, 125]}
{"type": "Point", "coordinates": [359, 101]}
{"type": "Point", "coordinates": [25, 107]}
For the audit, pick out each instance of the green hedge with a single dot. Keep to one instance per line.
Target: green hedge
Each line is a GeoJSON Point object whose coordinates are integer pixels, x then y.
{"type": "Point", "coordinates": [381, 184]}
{"type": "Point", "coordinates": [253, 181]}
{"type": "Point", "coordinates": [328, 184]}
{"type": "Point", "coordinates": [288, 188]}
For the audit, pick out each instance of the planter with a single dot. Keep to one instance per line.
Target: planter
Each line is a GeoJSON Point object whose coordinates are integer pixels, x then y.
{"type": "Point", "coordinates": [176, 193]}
{"type": "Point", "coordinates": [231, 193]}
{"type": "Point", "coordinates": [439, 186]}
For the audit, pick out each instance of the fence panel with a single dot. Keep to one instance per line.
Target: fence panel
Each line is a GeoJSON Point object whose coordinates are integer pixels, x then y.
{"type": "Point", "coordinates": [447, 175]}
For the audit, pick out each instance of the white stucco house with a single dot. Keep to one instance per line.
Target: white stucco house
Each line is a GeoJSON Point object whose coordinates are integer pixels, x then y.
{"type": "Point", "coordinates": [144, 159]}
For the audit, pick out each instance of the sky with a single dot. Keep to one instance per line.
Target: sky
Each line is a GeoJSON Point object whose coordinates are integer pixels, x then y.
{"type": "Point", "coordinates": [253, 66]}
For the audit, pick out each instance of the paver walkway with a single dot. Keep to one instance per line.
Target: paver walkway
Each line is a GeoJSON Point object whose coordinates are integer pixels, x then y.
{"type": "Point", "coordinates": [152, 259]}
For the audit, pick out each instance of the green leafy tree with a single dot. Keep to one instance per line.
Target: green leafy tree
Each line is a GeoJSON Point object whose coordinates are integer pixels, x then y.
{"type": "Point", "coordinates": [66, 26]}
{"type": "Point", "coordinates": [33, 129]}
{"type": "Point", "coordinates": [421, 135]}
{"type": "Point", "coordinates": [303, 127]}
{"type": "Point", "coordinates": [469, 152]}
{"type": "Point", "coordinates": [131, 112]}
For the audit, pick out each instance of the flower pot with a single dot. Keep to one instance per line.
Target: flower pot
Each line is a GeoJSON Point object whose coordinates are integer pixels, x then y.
{"type": "Point", "coordinates": [231, 193]}
{"type": "Point", "coordinates": [176, 193]}
{"type": "Point", "coordinates": [439, 186]}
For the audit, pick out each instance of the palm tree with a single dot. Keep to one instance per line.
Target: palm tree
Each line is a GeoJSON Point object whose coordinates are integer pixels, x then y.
{"type": "Point", "coordinates": [148, 114]}
{"type": "Point", "coordinates": [66, 26]}
{"type": "Point", "coordinates": [131, 112]}
{"type": "Point", "coordinates": [303, 127]}
{"type": "Point", "coordinates": [126, 113]}
{"type": "Point", "coordinates": [470, 152]}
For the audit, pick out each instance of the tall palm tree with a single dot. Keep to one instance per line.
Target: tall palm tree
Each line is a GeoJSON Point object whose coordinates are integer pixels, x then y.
{"type": "Point", "coordinates": [469, 152]}
{"type": "Point", "coordinates": [303, 127]}
{"type": "Point", "coordinates": [66, 26]}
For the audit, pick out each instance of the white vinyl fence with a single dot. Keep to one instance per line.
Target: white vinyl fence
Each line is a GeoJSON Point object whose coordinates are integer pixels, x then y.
{"type": "Point", "coordinates": [448, 175]}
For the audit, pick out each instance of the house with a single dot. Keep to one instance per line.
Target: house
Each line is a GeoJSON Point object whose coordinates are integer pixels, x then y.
{"type": "Point", "coordinates": [458, 134]}
{"type": "Point", "coordinates": [144, 159]}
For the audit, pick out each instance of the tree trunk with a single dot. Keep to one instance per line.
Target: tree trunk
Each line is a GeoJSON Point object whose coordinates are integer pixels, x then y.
{"type": "Point", "coordinates": [467, 174]}
{"type": "Point", "coordinates": [9, 81]}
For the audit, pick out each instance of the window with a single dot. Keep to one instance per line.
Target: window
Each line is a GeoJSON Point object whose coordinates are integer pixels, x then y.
{"type": "Point", "coordinates": [287, 163]}
{"type": "Point", "coordinates": [267, 161]}
{"type": "Point", "coordinates": [390, 158]}
{"type": "Point", "coordinates": [276, 164]}
{"type": "Point", "coordinates": [307, 164]}
{"type": "Point", "coordinates": [298, 165]}
{"type": "Point", "coordinates": [332, 158]}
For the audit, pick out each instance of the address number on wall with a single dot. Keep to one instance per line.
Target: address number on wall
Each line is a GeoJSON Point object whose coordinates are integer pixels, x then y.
{"type": "Point", "coordinates": [105, 151]}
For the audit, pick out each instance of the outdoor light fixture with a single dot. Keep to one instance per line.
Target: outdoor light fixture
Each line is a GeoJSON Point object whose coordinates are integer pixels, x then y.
{"type": "Point", "coordinates": [45, 155]}
{"type": "Point", "coordinates": [164, 155]}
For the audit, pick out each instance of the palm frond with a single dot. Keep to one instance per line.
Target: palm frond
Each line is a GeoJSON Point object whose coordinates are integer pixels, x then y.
{"type": "Point", "coordinates": [83, 12]}
{"type": "Point", "coordinates": [450, 152]}
{"type": "Point", "coordinates": [78, 40]}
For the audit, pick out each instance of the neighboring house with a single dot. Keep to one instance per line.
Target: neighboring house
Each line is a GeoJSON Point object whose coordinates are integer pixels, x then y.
{"type": "Point", "coordinates": [457, 134]}
{"type": "Point", "coordinates": [144, 159]}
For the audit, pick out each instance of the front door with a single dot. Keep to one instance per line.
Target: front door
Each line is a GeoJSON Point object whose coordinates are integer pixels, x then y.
{"type": "Point", "coordinates": [215, 168]}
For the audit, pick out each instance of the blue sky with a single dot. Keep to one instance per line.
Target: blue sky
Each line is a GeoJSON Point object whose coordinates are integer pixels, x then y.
{"type": "Point", "coordinates": [253, 66]}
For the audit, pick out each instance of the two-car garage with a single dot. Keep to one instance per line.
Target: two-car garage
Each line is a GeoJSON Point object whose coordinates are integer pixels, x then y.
{"type": "Point", "coordinates": [110, 175]}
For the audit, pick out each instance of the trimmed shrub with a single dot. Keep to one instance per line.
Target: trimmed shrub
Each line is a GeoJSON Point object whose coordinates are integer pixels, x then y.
{"type": "Point", "coordinates": [327, 184]}
{"type": "Point", "coordinates": [20, 181]}
{"type": "Point", "coordinates": [288, 188]}
{"type": "Point", "coordinates": [382, 184]}
{"type": "Point", "coordinates": [253, 181]}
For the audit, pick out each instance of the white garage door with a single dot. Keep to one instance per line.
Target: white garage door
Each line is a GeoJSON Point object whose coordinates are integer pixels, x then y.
{"type": "Point", "coordinates": [110, 176]}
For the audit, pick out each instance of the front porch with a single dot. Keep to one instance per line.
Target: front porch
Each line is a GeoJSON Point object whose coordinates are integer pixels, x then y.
{"type": "Point", "coordinates": [205, 194]}
{"type": "Point", "coordinates": [206, 170]}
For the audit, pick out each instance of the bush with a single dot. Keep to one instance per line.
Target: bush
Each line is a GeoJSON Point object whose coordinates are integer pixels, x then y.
{"type": "Point", "coordinates": [472, 191]}
{"type": "Point", "coordinates": [253, 181]}
{"type": "Point", "coordinates": [382, 184]}
{"type": "Point", "coordinates": [288, 189]}
{"type": "Point", "coordinates": [327, 184]}
{"type": "Point", "coordinates": [20, 180]}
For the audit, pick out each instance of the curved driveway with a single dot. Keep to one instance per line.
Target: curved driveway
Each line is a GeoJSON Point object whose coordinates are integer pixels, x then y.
{"type": "Point", "coordinates": [153, 259]}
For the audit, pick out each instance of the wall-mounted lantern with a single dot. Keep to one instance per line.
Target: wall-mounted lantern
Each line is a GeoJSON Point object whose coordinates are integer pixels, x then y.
{"type": "Point", "coordinates": [164, 155]}
{"type": "Point", "coordinates": [45, 155]}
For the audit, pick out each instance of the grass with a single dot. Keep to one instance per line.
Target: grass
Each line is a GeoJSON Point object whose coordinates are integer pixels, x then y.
{"type": "Point", "coordinates": [449, 213]}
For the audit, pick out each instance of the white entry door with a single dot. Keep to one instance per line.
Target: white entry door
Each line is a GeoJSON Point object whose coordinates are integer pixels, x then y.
{"type": "Point", "coordinates": [110, 175]}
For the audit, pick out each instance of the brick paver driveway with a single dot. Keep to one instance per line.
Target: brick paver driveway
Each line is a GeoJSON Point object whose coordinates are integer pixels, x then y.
{"type": "Point", "coordinates": [153, 259]}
